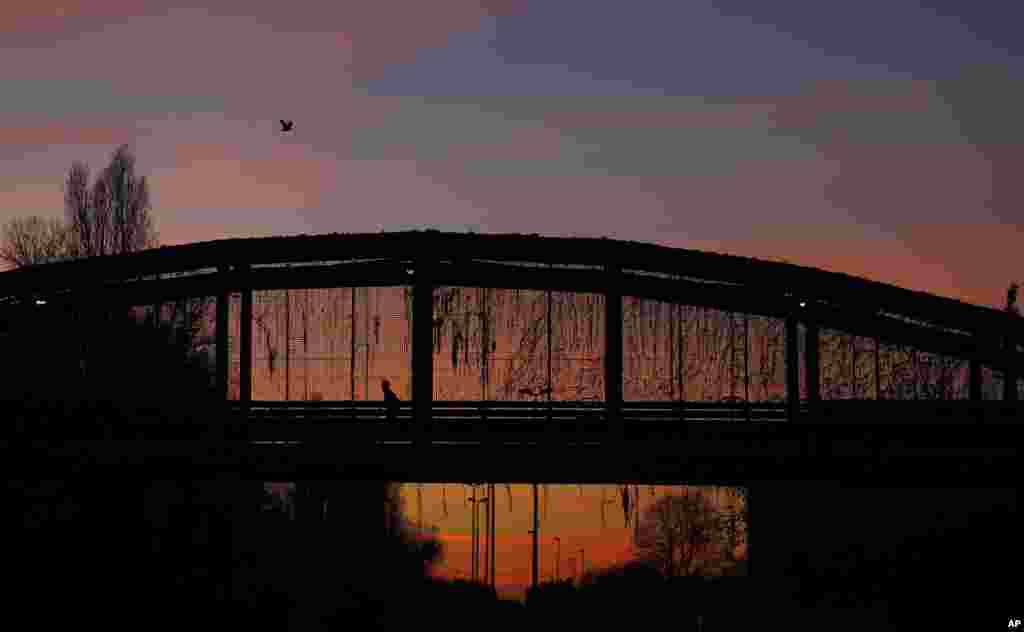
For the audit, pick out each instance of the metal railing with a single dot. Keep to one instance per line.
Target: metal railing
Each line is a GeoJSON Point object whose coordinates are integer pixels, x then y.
{"type": "Point", "coordinates": [492, 419]}
{"type": "Point", "coordinates": [515, 411]}
{"type": "Point", "coordinates": [592, 418]}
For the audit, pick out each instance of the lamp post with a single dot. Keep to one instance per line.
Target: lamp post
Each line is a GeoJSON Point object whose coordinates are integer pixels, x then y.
{"type": "Point", "coordinates": [473, 556]}
{"type": "Point", "coordinates": [487, 536]}
{"type": "Point", "coordinates": [536, 535]}
{"type": "Point", "coordinates": [494, 534]}
{"type": "Point", "coordinates": [583, 563]}
{"type": "Point", "coordinates": [558, 555]}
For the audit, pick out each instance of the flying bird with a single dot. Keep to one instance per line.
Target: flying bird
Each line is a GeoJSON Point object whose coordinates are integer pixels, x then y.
{"type": "Point", "coordinates": [286, 126]}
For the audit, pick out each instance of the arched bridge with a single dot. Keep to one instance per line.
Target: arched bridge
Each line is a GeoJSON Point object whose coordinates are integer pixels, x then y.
{"type": "Point", "coordinates": [526, 340]}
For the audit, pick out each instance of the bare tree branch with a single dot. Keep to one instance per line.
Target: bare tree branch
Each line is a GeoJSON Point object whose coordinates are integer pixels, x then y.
{"type": "Point", "coordinates": [681, 534]}
{"type": "Point", "coordinates": [29, 241]}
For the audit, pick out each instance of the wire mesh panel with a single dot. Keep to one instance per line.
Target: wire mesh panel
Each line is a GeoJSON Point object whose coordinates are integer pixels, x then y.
{"type": "Point", "coordinates": [234, 345]}
{"type": "Point", "coordinates": [909, 373]}
{"type": "Point", "coordinates": [848, 367]}
{"type": "Point", "coordinates": [489, 344]}
{"type": "Point", "coordinates": [269, 323]}
{"type": "Point", "coordinates": [767, 359]}
{"type": "Point", "coordinates": [330, 344]}
{"type": "Point", "coordinates": [647, 349]}
{"type": "Point", "coordinates": [577, 346]}
{"type": "Point", "coordinates": [203, 337]}
{"type": "Point", "coordinates": [189, 324]}
{"type": "Point", "coordinates": [992, 384]}
{"type": "Point", "coordinates": [383, 342]}
{"type": "Point", "coordinates": [675, 352]}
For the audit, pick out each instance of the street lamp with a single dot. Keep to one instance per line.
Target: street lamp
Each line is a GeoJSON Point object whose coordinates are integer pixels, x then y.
{"type": "Point", "coordinates": [558, 555]}
{"type": "Point", "coordinates": [535, 532]}
{"type": "Point", "coordinates": [486, 547]}
{"type": "Point", "coordinates": [473, 546]}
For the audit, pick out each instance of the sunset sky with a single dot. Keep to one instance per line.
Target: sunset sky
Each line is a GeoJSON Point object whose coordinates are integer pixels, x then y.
{"type": "Point", "coordinates": [571, 512]}
{"type": "Point", "coordinates": [879, 138]}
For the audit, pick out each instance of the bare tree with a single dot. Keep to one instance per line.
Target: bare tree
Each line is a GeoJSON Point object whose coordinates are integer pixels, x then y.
{"type": "Point", "coordinates": [78, 207]}
{"type": "Point", "coordinates": [114, 217]}
{"type": "Point", "coordinates": [680, 534]}
{"type": "Point", "coordinates": [29, 241]}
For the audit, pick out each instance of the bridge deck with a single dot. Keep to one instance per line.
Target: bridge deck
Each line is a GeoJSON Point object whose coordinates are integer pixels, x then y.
{"type": "Point", "coordinates": [916, 443]}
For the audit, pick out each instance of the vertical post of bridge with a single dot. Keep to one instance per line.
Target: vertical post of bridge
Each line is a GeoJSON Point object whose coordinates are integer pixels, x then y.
{"type": "Point", "coordinates": [792, 366]}
{"type": "Point", "coordinates": [1012, 371]}
{"type": "Point", "coordinates": [422, 348]}
{"type": "Point", "coordinates": [613, 350]}
{"type": "Point", "coordinates": [245, 340]}
{"type": "Point", "coordinates": [221, 344]}
{"type": "Point", "coordinates": [811, 355]}
{"type": "Point", "coordinates": [974, 370]}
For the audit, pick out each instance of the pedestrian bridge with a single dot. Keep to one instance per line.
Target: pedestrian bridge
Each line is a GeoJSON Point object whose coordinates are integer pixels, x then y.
{"type": "Point", "coordinates": [520, 342]}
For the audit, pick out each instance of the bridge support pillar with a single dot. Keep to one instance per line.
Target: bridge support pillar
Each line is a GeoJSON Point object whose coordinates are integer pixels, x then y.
{"type": "Point", "coordinates": [792, 367]}
{"type": "Point", "coordinates": [1012, 372]}
{"type": "Point", "coordinates": [1010, 384]}
{"type": "Point", "coordinates": [811, 357]}
{"type": "Point", "coordinates": [422, 349]}
{"type": "Point", "coordinates": [613, 350]}
{"type": "Point", "coordinates": [974, 373]}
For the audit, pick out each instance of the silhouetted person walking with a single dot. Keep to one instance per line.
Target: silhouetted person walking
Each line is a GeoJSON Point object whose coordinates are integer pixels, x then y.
{"type": "Point", "coordinates": [390, 399]}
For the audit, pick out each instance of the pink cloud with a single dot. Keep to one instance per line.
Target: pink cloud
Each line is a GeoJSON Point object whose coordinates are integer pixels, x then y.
{"type": "Point", "coordinates": [379, 33]}
{"type": "Point", "coordinates": [527, 143]}
{"type": "Point", "coordinates": [717, 117]}
{"type": "Point", "coordinates": [851, 97]}
{"type": "Point", "coordinates": [930, 182]}
{"type": "Point", "coordinates": [61, 133]}
{"type": "Point", "coordinates": [243, 184]}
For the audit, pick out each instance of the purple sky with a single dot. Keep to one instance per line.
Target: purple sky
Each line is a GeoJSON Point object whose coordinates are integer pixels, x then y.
{"type": "Point", "coordinates": [878, 138]}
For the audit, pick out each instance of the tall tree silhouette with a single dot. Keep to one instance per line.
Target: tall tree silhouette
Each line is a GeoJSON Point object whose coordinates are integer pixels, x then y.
{"type": "Point", "coordinates": [114, 217]}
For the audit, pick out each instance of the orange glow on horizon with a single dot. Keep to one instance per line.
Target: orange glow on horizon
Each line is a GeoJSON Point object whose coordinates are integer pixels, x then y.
{"type": "Point", "coordinates": [572, 513]}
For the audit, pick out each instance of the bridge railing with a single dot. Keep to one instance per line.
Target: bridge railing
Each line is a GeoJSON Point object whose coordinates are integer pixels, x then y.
{"type": "Point", "coordinates": [487, 420]}
{"type": "Point", "coordinates": [636, 413]}
{"type": "Point", "coordinates": [455, 419]}
{"type": "Point", "coordinates": [443, 413]}
{"type": "Point", "coordinates": [639, 419]}
{"type": "Point", "coordinates": [516, 411]}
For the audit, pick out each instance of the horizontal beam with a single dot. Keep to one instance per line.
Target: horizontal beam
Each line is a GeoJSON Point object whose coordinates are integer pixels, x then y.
{"type": "Point", "coordinates": [890, 331]}
{"type": "Point", "coordinates": [700, 458]}
{"type": "Point", "coordinates": [840, 289]}
{"type": "Point", "coordinates": [898, 333]}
